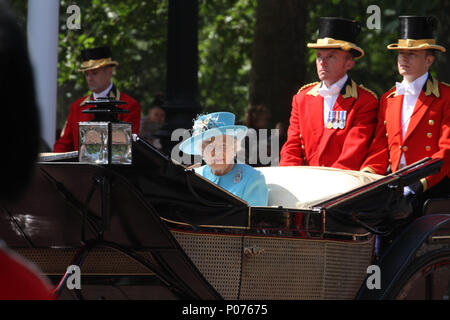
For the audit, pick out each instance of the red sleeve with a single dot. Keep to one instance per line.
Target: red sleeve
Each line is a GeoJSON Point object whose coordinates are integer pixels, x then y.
{"type": "Point", "coordinates": [444, 143]}
{"type": "Point", "coordinates": [358, 138]}
{"type": "Point", "coordinates": [291, 154]}
{"type": "Point", "coordinates": [65, 143]}
{"type": "Point", "coordinates": [134, 117]}
{"type": "Point", "coordinates": [18, 280]}
{"type": "Point", "coordinates": [377, 160]}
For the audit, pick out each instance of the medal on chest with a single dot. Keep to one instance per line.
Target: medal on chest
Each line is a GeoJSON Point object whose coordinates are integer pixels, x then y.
{"type": "Point", "coordinates": [342, 119]}
{"type": "Point", "coordinates": [330, 120]}
{"type": "Point", "coordinates": [335, 119]}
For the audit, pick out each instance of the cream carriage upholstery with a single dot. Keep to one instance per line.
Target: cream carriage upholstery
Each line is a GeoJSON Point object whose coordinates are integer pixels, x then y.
{"type": "Point", "coordinates": [303, 186]}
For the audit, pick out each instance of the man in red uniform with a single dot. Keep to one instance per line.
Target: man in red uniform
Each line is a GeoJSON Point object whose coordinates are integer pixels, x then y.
{"type": "Point", "coordinates": [332, 121]}
{"type": "Point", "coordinates": [414, 116]}
{"type": "Point", "coordinates": [98, 68]}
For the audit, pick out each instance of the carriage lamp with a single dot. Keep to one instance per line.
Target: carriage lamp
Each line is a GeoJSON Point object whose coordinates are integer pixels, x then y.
{"type": "Point", "coordinates": [105, 139]}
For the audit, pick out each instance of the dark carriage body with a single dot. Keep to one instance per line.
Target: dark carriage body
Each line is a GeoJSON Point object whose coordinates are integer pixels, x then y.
{"type": "Point", "coordinates": [154, 230]}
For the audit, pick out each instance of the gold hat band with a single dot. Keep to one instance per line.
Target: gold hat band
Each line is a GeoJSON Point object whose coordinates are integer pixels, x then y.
{"type": "Point", "coordinates": [416, 44]}
{"type": "Point", "coordinates": [333, 43]}
{"type": "Point", "coordinates": [97, 63]}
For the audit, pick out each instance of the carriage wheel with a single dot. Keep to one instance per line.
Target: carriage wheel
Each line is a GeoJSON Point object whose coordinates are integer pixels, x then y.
{"type": "Point", "coordinates": [426, 278]}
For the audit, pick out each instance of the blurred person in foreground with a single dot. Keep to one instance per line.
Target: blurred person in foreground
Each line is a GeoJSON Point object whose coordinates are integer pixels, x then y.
{"type": "Point", "coordinates": [19, 279]}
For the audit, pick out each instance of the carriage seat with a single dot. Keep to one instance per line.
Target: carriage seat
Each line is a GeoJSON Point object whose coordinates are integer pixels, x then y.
{"type": "Point", "coordinates": [303, 186]}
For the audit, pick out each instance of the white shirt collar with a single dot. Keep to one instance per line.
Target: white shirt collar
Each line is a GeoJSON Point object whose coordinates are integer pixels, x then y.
{"type": "Point", "coordinates": [340, 83]}
{"type": "Point", "coordinates": [417, 84]}
{"type": "Point", "coordinates": [103, 93]}
{"type": "Point", "coordinates": [330, 98]}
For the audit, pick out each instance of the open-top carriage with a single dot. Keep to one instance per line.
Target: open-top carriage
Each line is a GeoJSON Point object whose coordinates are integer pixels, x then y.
{"type": "Point", "coordinates": [156, 230]}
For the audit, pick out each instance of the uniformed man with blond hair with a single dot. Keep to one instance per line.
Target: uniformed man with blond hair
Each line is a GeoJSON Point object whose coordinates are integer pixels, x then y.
{"type": "Point", "coordinates": [414, 115]}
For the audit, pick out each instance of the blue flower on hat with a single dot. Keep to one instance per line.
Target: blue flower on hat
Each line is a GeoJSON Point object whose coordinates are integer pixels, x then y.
{"type": "Point", "coordinates": [203, 123]}
{"type": "Point", "coordinates": [210, 125]}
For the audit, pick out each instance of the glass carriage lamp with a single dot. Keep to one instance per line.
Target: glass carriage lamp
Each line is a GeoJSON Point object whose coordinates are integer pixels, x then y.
{"type": "Point", "coordinates": [105, 139]}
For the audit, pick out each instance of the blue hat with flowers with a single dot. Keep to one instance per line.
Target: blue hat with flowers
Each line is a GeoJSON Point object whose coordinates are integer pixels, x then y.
{"type": "Point", "coordinates": [211, 125]}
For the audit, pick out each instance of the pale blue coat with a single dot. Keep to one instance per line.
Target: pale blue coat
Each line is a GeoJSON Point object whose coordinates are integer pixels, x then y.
{"type": "Point", "coordinates": [243, 181]}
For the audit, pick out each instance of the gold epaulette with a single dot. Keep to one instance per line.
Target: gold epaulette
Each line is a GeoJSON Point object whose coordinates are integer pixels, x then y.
{"type": "Point", "coordinates": [307, 85]}
{"type": "Point", "coordinates": [392, 93]}
{"type": "Point", "coordinates": [432, 87]}
{"type": "Point", "coordinates": [368, 90]}
{"type": "Point", "coordinates": [88, 98]}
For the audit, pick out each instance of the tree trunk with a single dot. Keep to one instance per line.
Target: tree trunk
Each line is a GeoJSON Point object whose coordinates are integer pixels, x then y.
{"type": "Point", "coordinates": [278, 60]}
{"type": "Point", "coordinates": [442, 64]}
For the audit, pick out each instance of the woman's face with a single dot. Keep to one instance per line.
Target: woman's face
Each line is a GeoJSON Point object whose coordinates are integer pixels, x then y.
{"type": "Point", "coordinates": [219, 153]}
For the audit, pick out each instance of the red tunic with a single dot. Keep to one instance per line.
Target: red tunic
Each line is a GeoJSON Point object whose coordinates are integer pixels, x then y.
{"type": "Point", "coordinates": [18, 280]}
{"type": "Point", "coordinates": [309, 142]}
{"type": "Point", "coordinates": [427, 135]}
{"type": "Point", "coordinates": [69, 136]}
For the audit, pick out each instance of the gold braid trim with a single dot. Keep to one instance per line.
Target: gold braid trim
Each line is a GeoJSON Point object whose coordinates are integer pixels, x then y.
{"type": "Point", "coordinates": [368, 90]}
{"type": "Point", "coordinates": [307, 85]}
{"type": "Point", "coordinates": [432, 87]}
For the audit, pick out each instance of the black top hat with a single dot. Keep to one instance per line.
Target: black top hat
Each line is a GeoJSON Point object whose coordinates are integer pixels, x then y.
{"type": "Point", "coordinates": [338, 33]}
{"type": "Point", "coordinates": [96, 58]}
{"type": "Point", "coordinates": [416, 33]}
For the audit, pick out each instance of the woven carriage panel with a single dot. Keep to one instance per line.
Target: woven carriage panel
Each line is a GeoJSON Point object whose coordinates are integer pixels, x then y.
{"type": "Point", "coordinates": [346, 268]}
{"type": "Point", "coordinates": [279, 268]}
{"type": "Point", "coordinates": [218, 258]}
{"type": "Point", "coordinates": [285, 269]}
{"type": "Point", "coordinates": [98, 261]}
{"type": "Point", "coordinates": [304, 269]}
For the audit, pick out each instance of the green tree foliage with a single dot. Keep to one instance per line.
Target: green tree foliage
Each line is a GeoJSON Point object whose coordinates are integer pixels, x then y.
{"type": "Point", "coordinates": [137, 32]}
{"type": "Point", "coordinates": [278, 57]}
{"type": "Point", "coordinates": [225, 43]}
